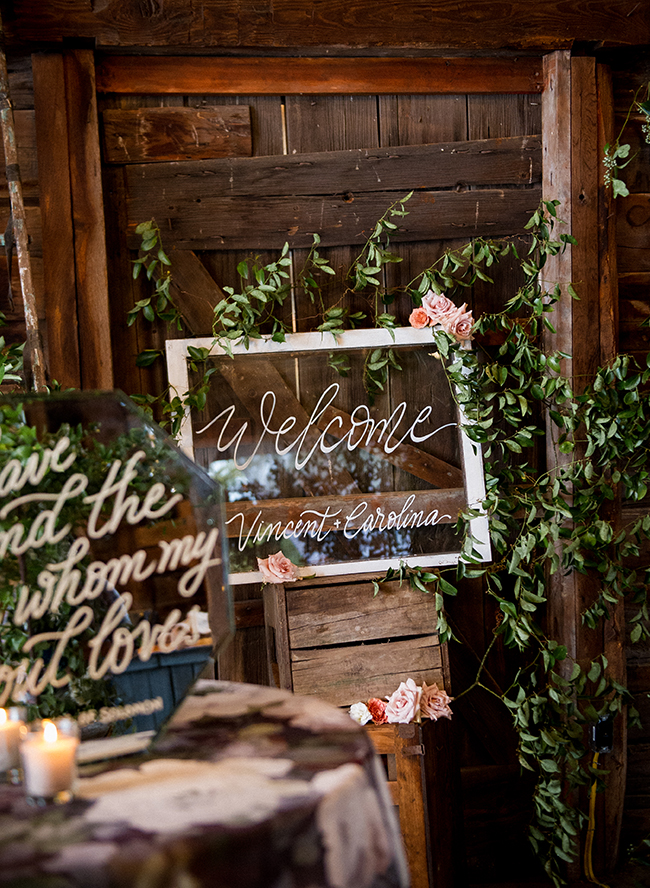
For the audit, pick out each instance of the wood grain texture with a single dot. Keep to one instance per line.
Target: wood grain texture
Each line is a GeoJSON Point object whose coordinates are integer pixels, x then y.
{"type": "Point", "coordinates": [633, 233]}
{"type": "Point", "coordinates": [194, 291]}
{"type": "Point", "coordinates": [608, 269]}
{"type": "Point", "coordinates": [354, 614]}
{"type": "Point", "coordinates": [252, 223]}
{"type": "Point", "coordinates": [56, 210]}
{"type": "Point", "coordinates": [343, 675]}
{"type": "Point", "coordinates": [305, 171]}
{"type": "Point", "coordinates": [88, 220]}
{"type": "Point", "coordinates": [294, 76]}
{"type": "Point", "coordinates": [148, 135]}
{"type": "Point", "coordinates": [515, 24]}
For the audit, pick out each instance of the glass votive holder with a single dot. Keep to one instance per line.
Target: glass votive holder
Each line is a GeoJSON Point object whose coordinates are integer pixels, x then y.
{"type": "Point", "coordinates": [49, 758]}
{"type": "Point", "coordinates": [12, 731]}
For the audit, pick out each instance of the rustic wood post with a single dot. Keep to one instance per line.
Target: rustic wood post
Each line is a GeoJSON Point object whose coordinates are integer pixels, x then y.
{"type": "Point", "coordinates": [74, 237]}
{"type": "Point", "coordinates": [575, 116]}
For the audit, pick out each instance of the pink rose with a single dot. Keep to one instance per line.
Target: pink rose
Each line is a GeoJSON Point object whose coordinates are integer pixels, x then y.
{"type": "Point", "coordinates": [277, 569]}
{"type": "Point", "coordinates": [404, 704]}
{"type": "Point", "coordinates": [377, 709]}
{"type": "Point", "coordinates": [418, 318]}
{"type": "Point", "coordinates": [435, 702]}
{"type": "Point", "coordinates": [437, 307]}
{"type": "Point", "coordinates": [459, 323]}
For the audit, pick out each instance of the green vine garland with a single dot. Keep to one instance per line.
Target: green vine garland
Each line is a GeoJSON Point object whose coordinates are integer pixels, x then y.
{"type": "Point", "coordinates": [540, 521]}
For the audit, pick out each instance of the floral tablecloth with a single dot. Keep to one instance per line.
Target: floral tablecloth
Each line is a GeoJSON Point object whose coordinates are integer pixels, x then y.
{"type": "Point", "coordinates": [249, 787]}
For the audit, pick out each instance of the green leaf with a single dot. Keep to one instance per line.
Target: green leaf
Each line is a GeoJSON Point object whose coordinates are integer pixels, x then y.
{"type": "Point", "coordinates": [147, 357]}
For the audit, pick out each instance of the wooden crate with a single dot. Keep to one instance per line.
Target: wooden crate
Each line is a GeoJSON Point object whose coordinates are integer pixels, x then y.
{"type": "Point", "coordinates": [335, 639]}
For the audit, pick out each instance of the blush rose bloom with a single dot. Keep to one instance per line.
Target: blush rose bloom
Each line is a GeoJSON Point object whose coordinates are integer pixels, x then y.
{"type": "Point", "coordinates": [437, 307]}
{"type": "Point", "coordinates": [419, 318]}
{"type": "Point", "coordinates": [277, 569]}
{"type": "Point", "coordinates": [459, 323]}
{"type": "Point", "coordinates": [377, 709]}
{"type": "Point", "coordinates": [434, 703]}
{"type": "Point", "coordinates": [403, 705]}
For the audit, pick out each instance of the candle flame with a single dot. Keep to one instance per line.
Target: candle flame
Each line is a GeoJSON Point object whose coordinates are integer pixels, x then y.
{"type": "Point", "coordinates": [3, 716]}
{"type": "Point", "coordinates": [49, 732]}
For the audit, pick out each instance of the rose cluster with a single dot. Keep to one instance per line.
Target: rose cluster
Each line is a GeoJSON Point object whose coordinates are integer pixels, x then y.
{"type": "Point", "coordinates": [437, 309]}
{"type": "Point", "coordinates": [278, 569]}
{"type": "Point", "coordinates": [408, 703]}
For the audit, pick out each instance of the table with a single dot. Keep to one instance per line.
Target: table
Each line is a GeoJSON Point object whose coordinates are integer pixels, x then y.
{"type": "Point", "coordinates": [248, 787]}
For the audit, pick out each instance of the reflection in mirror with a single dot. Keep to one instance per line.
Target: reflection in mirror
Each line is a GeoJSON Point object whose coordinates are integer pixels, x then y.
{"type": "Point", "coordinates": [113, 578]}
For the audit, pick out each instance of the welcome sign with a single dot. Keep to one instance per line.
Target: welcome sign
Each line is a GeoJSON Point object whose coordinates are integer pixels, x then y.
{"type": "Point", "coordinates": [111, 560]}
{"type": "Point", "coordinates": [313, 467]}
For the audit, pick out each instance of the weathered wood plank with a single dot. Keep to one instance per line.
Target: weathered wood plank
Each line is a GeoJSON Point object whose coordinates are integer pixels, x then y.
{"type": "Point", "coordinates": [56, 208]}
{"type": "Point", "coordinates": [510, 161]}
{"type": "Point", "coordinates": [88, 221]}
{"type": "Point", "coordinates": [225, 223]}
{"type": "Point", "coordinates": [187, 75]}
{"type": "Point", "coordinates": [633, 232]}
{"type": "Point", "coordinates": [408, 458]}
{"type": "Point", "coordinates": [353, 613]}
{"type": "Point", "coordinates": [245, 515]}
{"type": "Point", "coordinates": [194, 291]}
{"type": "Point", "coordinates": [422, 23]}
{"type": "Point", "coordinates": [608, 272]}
{"type": "Point", "coordinates": [146, 135]}
{"type": "Point", "coordinates": [344, 675]}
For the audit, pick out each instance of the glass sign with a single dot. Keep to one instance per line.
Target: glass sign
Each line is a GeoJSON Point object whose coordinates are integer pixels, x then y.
{"type": "Point", "coordinates": [318, 470]}
{"type": "Point", "coordinates": [113, 573]}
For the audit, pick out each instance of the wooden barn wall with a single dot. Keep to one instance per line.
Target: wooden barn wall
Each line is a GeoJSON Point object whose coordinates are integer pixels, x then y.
{"type": "Point", "coordinates": [496, 798]}
{"type": "Point", "coordinates": [633, 259]}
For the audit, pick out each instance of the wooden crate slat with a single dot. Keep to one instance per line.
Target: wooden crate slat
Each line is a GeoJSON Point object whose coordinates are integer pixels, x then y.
{"type": "Point", "coordinates": [146, 135]}
{"type": "Point", "coordinates": [510, 161]}
{"type": "Point", "coordinates": [347, 674]}
{"type": "Point", "coordinates": [291, 76]}
{"type": "Point", "coordinates": [225, 223]}
{"type": "Point", "coordinates": [354, 614]}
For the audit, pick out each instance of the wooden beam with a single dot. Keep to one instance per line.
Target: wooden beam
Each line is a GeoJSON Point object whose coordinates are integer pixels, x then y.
{"type": "Point", "coordinates": [56, 214]}
{"type": "Point", "coordinates": [253, 223]}
{"type": "Point", "coordinates": [573, 87]}
{"type": "Point", "coordinates": [429, 24]}
{"type": "Point", "coordinates": [194, 291]}
{"type": "Point", "coordinates": [614, 631]}
{"type": "Point", "coordinates": [204, 75]}
{"type": "Point", "coordinates": [88, 220]}
{"type": "Point", "coordinates": [511, 161]}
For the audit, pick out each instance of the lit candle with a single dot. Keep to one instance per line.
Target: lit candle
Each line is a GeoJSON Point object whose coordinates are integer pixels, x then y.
{"type": "Point", "coordinates": [49, 761]}
{"type": "Point", "coordinates": [11, 725]}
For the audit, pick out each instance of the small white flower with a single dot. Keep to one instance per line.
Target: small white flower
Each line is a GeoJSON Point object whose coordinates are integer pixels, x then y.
{"type": "Point", "coordinates": [360, 713]}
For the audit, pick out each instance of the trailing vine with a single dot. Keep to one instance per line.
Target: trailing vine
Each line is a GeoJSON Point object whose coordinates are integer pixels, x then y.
{"type": "Point", "coordinates": [616, 154]}
{"type": "Point", "coordinates": [542, 519]}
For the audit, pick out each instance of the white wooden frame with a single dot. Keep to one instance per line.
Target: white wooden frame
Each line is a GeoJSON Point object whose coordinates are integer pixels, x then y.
{"type": "Point", "coordinates": [177, 353]}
